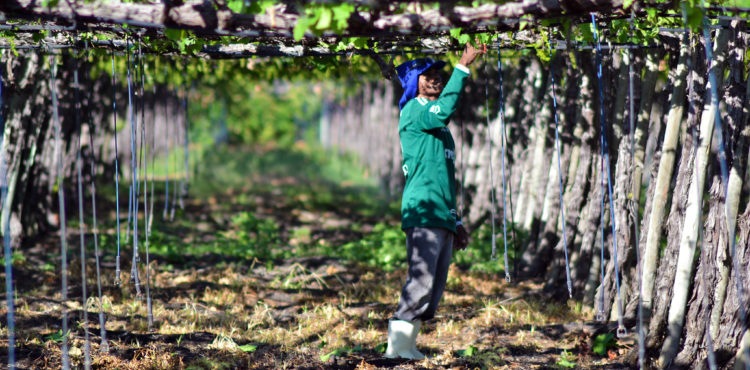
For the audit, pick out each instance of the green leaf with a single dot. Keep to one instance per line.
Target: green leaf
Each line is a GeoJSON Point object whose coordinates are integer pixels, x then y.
{"type": "Point", "coordinates": [248, 347]}
{"type": "Point", "coordinates": [455, 32]}
{"type": "Point", "coordinates": [55, 337]}
{"type": "Point", "coordinates": [468, 352]}
{"type": "Point", "coordinates": [324, 19]}
{"type": "Point", "coordinates": [174, 34]}
{"type": "Point", "coordinates": [627, 3]}
{"type": "Point", "coordinates": [695, 18]}
{"type": "Point", "coordinates": [303, 23]}
{"type": "Point", "coordinates": [236, 5]}
{"type": "Point", "coordinates": [602, 343]}
{"type": "Point", "coordinates": [336, 352]}
{"type": "Point", "coordinates": [341, 14]}
{"type": "Point", "coordinates": [567, 360]}
{"type": "Point", "coordinates": [258, 7]}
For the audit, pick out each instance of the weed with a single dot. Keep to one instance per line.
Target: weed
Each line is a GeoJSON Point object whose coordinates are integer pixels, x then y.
{"type": "Point", "coordinates": [603, 343]}
{"type": "Point", "coordinates": [567, 360]}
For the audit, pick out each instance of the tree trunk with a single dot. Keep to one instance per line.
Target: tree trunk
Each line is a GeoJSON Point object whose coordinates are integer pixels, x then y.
{"type": "Point", "coordinates": [712, 275]}
{"type": "Point", "coordinates": [657, 203]}
{"type": "Point", "coordinates": [694, 210]}
{"type": "Point", "coordinates": [665, 275]}
{"type": "Point", "coordinates": [648, 85]}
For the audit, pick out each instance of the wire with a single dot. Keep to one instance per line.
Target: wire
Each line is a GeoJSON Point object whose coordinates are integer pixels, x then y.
{"type": "Point", "coordinates": [103, 346]}
{"type": "Point", "coordinates": [166, 159]}
{"type": "Point", "coordinates": [133, 183]}
{"type": "Point", "coordinates": [493, 201]}
{"type": "Point", "coordinates": [605, 160]}
{"type": "Point", "coordinates": [562, 188]}
{"type": "Point", "coordinates": [61, 220]}
{"type": "Point", "coordinates": [4, 197]}
{"type": "Point", "coordinates": [81, 218]}
{"type": "Point", "coordinates": [503, 148]}
{"type": "Point", "coordinates": [144, 166]}
{"type": "Point", "coordinates": [118, 281]}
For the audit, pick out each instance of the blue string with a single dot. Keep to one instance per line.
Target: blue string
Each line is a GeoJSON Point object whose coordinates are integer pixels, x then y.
{"type": "Point", "coordinates": [559, 171]}
{"type": "Point", "coordinates": [61, 200]}
{"type": "Point", "coordinates": [81, 218]}
{"type": "Point", "coordinates": [605, 161]}
{"type": "Point", "coordinates": [634, 211]}
{"type": "Point", "coordinates": [501, 114]}
{"type": "Point", "coordinates": [492, 175]}
{"type": "Point", "coordinates": [134, 182]}
{"type": "Point", "coordinates": [117, 173]}
{"type": "Point", "coordinates": [6, 240]}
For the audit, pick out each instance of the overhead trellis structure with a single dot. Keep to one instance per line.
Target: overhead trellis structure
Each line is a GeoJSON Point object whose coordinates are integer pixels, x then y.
{"type": "Point", "coordinates": [239, 29]}
{"type": "Point", "coordinates": [566, 92]}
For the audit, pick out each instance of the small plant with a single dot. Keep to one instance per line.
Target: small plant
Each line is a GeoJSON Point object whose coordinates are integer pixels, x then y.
{"type": "Point", "coordinates": [340, 352]}
{"type": "Point", "coordinates": [56, 337]}
{"type": "Point", "coordinates": [468, 352]}
{"type": "Point", "coordinates": [603, 343]}
{"type": "Point", "coordinates": [567, 360]}
{"type": "Point", "coordinates": [17, 259]}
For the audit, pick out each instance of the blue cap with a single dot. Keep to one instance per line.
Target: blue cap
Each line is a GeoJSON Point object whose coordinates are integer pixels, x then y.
{"type": "Point", "coordinates": [408, 74]}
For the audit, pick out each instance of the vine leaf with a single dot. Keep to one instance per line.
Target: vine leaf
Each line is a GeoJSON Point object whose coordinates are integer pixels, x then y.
{"type": "Point", "coordinates": [324, 19]}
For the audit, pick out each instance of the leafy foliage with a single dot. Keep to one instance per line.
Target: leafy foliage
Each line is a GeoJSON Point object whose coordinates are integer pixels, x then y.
{"type": "Point", "coordinates": [603, 343]}
{"type": "Point", "coordinates": [383, 248]}
{"type": "Point", "coordinates": [567, 360]}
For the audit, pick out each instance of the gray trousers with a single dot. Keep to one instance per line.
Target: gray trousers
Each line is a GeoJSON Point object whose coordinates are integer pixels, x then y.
{"type": "Point", "coordinates": [429, 252]}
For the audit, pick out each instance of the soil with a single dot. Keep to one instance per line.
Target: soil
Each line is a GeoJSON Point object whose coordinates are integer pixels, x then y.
{"type": "Point", "coordinates": [188, 331]}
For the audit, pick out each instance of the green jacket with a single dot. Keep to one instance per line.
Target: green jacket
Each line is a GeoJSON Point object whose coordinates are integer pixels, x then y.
{"type": "Point", "coordinates": [429, 155]}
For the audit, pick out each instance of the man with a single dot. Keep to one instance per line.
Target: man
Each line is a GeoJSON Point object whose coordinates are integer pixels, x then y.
{"type": "Point", "coordinates": [428, 206]}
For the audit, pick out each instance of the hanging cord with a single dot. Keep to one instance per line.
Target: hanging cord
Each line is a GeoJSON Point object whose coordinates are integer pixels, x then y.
{"type": "Point", "coordinates": [166, 159]}
{"type": "Point", "coordinates": [6, 240]}
{"type": "Point", "coordinates": [104, 345]}
{"type": "Point", "coordinates": [493, 201]}
{"type": "Point", "coordinates": [559, 171]}
{"type": "Point", "coordinates": [621, 331]}
{"type": "Point", "coordinates": [149, 213]}
{"type": "Point", "coordinates": [131, 114]}
{"type": "Point", "coordinates": [81, 231]}
{"type": "Point", "coordinates": [61, 220]}
{"type": "Point", "coordinates": [175, 188]}
{"type": "Point", "coordinates": [118, 281]}
{"type": "Point", "coordinates": [144, 166]}
{"type": "Point", "coordinates": [184, 187]}
{"type": "Point", "coordinates": [718, 130]}
{"type": "Point", "coordinates": [503, 148]}
{"type": "Point", "coordinates": [634, 207]}
{"type": "Point", "coordinates": [134, 183]}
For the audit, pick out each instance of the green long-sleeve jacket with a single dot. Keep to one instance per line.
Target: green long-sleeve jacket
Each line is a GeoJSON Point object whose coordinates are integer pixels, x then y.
{"type": "Point", "coordinates": [429, 155]}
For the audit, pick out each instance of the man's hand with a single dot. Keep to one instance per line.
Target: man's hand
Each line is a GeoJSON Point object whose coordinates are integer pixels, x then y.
{"type": "Point", "coordinates": [471, 53]}
{"type": "Point", "coordinates": [461, 239]}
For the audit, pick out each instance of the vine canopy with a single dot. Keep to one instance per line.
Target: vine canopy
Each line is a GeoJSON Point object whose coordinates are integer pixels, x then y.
{"type": "Point", "coordinates": [240, 29]}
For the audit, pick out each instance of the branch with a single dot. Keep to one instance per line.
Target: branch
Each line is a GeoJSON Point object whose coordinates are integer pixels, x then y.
{"type": "Point", "coordinates": [209, 21]}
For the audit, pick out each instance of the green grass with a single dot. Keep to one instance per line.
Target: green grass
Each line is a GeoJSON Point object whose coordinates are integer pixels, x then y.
{"type": "Point", "coordinates": [305, 178]}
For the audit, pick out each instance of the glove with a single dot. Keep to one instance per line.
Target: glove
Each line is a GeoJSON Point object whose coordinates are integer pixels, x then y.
{"type": "Point", "coordinates": [461, 238]}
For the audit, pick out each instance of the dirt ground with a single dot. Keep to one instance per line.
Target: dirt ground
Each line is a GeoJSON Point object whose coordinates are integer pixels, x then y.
{"type": "Point", "coordinates": [214, 312]}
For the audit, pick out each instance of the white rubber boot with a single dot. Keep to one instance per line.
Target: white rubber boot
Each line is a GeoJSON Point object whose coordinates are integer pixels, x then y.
{"type": "Point", "coordinates": [414, 351]}
{"type": "Point", "coordinates": [402, 336]}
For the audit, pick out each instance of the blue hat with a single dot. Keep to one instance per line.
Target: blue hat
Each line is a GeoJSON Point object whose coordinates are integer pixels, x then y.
{"type": "Point", "coordinates": [408, 74]}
